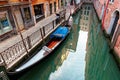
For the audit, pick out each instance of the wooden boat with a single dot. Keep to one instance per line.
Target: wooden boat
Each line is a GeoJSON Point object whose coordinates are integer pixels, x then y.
{"type": "Point", "coordinates": [55, 39]}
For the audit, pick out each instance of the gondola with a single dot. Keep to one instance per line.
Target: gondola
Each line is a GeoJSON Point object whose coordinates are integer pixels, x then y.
{"type": "Point", "coordinates": [55, 39]}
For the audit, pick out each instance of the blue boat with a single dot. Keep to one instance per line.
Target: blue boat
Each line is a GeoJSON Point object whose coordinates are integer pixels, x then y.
{"type": "Point", "coordinates": [55, 39]}
{"type": "Point", "coordinates": [60, 32]}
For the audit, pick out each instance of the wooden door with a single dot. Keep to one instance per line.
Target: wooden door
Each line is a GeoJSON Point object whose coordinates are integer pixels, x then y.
{"type": "Point", "coordinates": [19, 19]}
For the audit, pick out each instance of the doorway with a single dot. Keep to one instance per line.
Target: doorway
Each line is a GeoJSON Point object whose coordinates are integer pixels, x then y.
{"type": "Point", "coordinates": [39, 12]}
{"type": "Point", "coordinates": [19, 19]}
{"type": "Point", "coordinates": [50, 8]}
{"type": "Point", "coordinates": [115, 21]}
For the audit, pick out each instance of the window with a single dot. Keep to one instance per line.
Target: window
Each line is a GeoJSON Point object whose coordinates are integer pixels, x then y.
{"type": "Point", "coordinates": [87, 12]}
{"type": "Point", "coordinates": [111, 1]}
{"type": "Point", "coordinates": [81, 12]}
{"type": "Point", "coordinates": [84, 12]}
{"type": "Point", "coordinates": [5, 25]}
{"type": "Point", "coordinates": [27, 14]}
{"type": "Point", "coordinates": [54, 6]}
{"type": "Point", "coordinates": [86, 18]}
{"type": "Point", "coordinates": [88, 7]}
{"type": "Point", "coordinates": [39, 12]}
{"type": "Point", "coordinates": [61, 2]}
{"type": "Point", "coordinates": [50, 8]}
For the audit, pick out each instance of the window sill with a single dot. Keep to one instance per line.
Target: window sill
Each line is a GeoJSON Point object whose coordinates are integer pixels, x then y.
{"type": "Point", "coordinates": [111, 3]}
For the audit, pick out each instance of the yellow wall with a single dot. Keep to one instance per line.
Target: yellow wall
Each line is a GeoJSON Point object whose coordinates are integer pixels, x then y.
{"type": "Point", "coordinates": [2, 2]}
{"type": "Point", "coordinates": [38, 1]}
{"type": "Point", "coordinates": [42, 1]}
{"type": "Point", "coordinates": [35, 2]}
{"type": "Point", "coordinates": [14, 1]}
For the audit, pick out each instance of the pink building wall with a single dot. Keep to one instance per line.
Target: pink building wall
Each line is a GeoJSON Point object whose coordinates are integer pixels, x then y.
{"type": "Point", "coordinates": [111, 9]}
{"type": "Point", "coordinates": [99, 6]}
{"type": "Point", "coordinates": [117, 47]}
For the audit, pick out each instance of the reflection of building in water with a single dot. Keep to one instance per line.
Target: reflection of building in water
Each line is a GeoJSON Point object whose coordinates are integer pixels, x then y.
{"type": "Point", "coordinates": [58, 61]}
{"type": "Point", "coordinates": [85, 17]}
{"type": "Point", "coordinates": [53, 63]}
{"type": "Point", "coordinates": [74, 41]}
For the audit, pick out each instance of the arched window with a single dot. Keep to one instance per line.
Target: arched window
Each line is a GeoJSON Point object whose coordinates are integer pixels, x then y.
{"type": "Point", "coordinates": [114, 19]}
{"type": "Point", "coordinates": [111, 1]}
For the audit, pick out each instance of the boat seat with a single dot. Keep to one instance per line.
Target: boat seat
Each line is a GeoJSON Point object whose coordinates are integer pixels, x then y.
{"type": "Point", "coordinates": [47, 49]}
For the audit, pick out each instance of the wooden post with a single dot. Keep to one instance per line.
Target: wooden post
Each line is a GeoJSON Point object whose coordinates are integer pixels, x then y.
{"type": "Point", "coordinates": [41, 33]}
{"type": "Point", "coordinates": [65, 15]}
{"type": "Point", "coordinates": [29, 42]}
{"type": "Point", "coordinates": [43, 30]}
{"type": "Point", "coordinates": [53, 24]}
{"type": "Point", "coordinates": [3, 59]}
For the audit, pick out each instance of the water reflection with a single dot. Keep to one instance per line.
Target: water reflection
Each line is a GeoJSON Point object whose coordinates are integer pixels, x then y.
{"type": "Point", "coordinates": [73, 68]}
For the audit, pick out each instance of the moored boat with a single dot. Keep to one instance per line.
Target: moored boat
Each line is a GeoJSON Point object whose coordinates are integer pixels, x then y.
{"type": "Point", "coordinates": [55, 39]}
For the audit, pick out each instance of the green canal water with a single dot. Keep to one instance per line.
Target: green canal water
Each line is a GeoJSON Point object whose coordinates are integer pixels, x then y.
{"type": "Point", "coordinates": [83, 55]}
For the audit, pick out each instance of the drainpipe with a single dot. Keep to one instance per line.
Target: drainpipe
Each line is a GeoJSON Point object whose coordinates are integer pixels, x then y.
{"type": "Point", "coordinates": [104, 14]}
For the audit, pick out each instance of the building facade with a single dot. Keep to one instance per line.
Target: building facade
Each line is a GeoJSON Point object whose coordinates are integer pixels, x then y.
{"type": "Point", "coordinates": [15, 15]}
{"type": "Point", "coordinates": [85, 17]}
{"type": "Point", "coordinates": [100, 7]}
{"type": "Point", "coordinates": [43, 8]}
{"type": "Point", "coordinates": [18, 15]}
{"type": "Point", "coordinates": [7, 25]}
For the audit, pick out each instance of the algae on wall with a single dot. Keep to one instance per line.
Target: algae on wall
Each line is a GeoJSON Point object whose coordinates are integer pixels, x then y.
{"type": "Point", "coordinates": [3, 75]}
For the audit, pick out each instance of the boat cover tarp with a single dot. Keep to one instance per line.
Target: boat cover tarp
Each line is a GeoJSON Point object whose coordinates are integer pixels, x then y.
{"type": "Point", "coordinates": [60, 32]}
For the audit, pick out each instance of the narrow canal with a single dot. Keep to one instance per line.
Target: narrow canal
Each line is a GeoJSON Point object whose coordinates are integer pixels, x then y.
{"type": "Point", "coordinates": [84, 55]}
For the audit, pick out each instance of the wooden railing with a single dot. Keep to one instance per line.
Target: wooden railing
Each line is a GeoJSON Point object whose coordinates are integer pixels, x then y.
{"type": "Point", "coordinates": [16, 52]}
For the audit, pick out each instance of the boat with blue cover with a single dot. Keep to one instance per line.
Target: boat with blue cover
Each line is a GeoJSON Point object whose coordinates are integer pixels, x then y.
{"type": "Point", "coordinates": [55, 39]}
